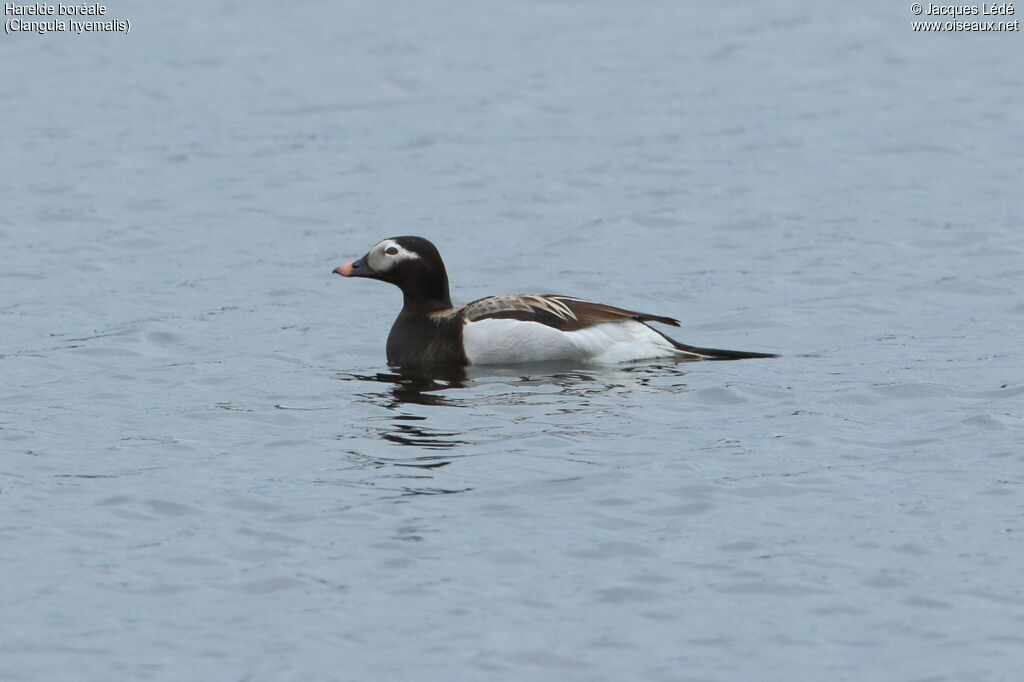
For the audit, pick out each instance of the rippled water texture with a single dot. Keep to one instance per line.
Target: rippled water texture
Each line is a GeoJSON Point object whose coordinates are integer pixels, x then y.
{"type": "Point", "coordinates": [208, 472]}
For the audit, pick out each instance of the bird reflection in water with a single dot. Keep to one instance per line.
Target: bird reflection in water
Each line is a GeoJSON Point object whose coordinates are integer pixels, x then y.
{"type": "Point", "coordinates": [547, 401]}
{"type": "Point", "coordinates": [413, 386]}
{"type": "Point", "coordinates": [405, 389]}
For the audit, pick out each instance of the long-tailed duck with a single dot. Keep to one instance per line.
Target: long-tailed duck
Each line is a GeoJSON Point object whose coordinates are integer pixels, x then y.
{"type": "Point", "coordinates": [509, 329]}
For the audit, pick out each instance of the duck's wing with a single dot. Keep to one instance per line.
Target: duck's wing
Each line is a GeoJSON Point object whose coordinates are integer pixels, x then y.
{"type": "Point", "coordinates": [564, 313]}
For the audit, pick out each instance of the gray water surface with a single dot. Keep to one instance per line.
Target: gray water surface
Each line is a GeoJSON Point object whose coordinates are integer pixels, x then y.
{"type": "Point", "coordinates": [208, 471]}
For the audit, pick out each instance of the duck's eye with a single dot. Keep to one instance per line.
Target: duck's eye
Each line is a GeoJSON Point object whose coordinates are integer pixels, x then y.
{"type": "Point", "coordinates": [391, 251]}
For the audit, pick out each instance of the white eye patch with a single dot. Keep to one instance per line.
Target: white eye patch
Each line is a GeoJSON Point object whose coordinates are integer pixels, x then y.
{"type": "Point", "coordinates": [387, 254]}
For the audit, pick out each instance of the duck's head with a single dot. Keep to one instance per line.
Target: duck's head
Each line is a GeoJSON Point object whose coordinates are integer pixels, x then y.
{"type": "Point", "coordinates": [410, 263]}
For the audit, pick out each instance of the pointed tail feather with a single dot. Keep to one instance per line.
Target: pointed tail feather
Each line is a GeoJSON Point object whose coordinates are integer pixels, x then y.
{"type": "Point", "coordinates": [718, 353]}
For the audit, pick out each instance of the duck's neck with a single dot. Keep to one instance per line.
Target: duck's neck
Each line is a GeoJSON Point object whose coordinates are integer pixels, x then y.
{"type": "Point", "coordinates": [428, 295]}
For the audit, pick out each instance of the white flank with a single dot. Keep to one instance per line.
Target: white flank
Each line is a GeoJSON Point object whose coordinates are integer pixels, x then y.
{"type": "Point", "coordinates": [504, 341]}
